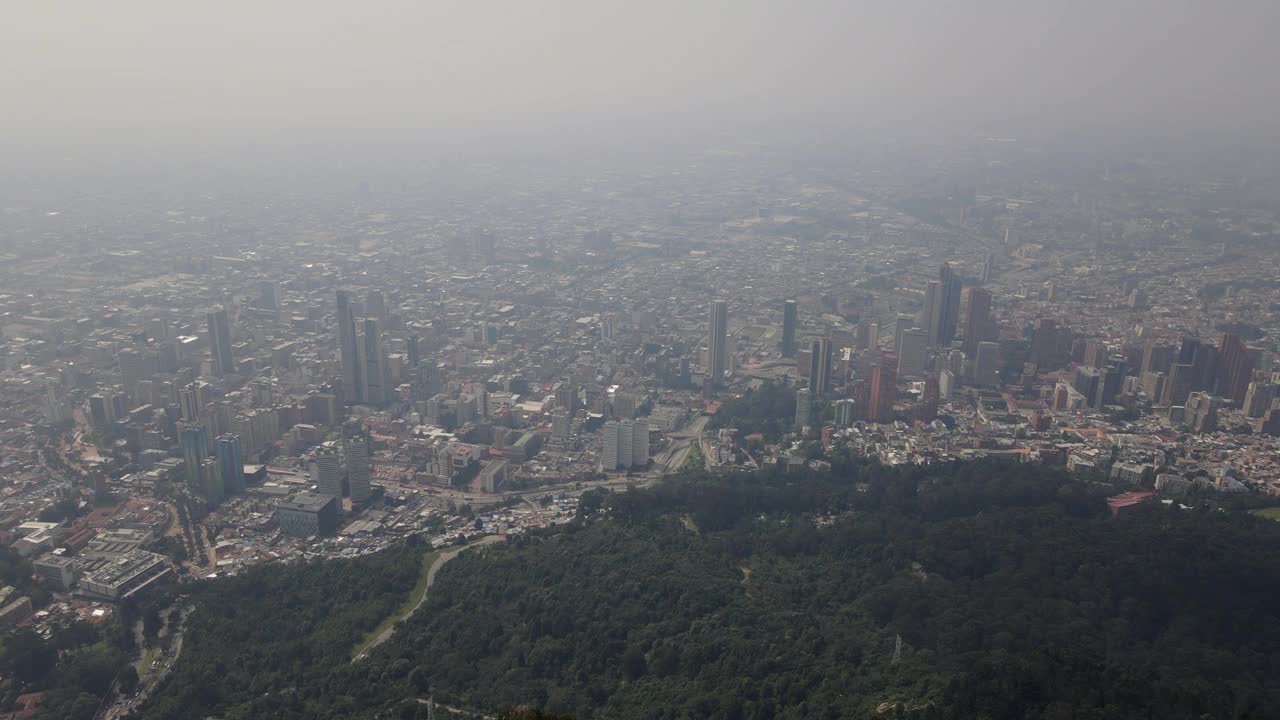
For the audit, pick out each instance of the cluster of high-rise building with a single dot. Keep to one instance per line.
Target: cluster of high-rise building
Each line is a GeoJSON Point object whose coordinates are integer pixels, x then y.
{"type": "Point", "coordinates": [383, 358]}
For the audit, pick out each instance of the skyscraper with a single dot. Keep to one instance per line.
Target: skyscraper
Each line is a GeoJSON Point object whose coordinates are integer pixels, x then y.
{"type": "Point", "coordinates": [349, 350]}
{"type": "Point", "coordinates": [977, 320]}
{"type": "Point", "coordinates": [914, 353]}
{"type": "Point", "coordinates": [947, 307]}
{"type": "Point", "coordinates": [230, 463]}
{"type": "Point", "coordinates": [358, 472]}
{"type": "Point", "coordinates": [804, 409]}
{"type": "Point", "coordinates": [619, 441]}
{"type": "Point", "coordinates": [639, 442]}
{"type": "Point", "coordinates": [1235, 369]}
{"type": "Point", "coordinates": [375, 364]}
{"type": "Point", "coordinates": [220, 343]}
{"type": "Point", "coordinates": [884, 391]}
{"type": "Point", "coordinates": [790, 317]}
{"type": "Point", "coordinates": [986, 365]}
{"type": "Point", "coordinates": [717, 346]}
{"type": "Point", "coordinates": [375, 306]}
{"type": "Point", "coordinates": [1202, 412]}
{"type": "Point", "coordinates": [927, 319]}
{"type": "Point", "coordinates": [195, 450]}
{"type": "Point", "coordinates": [846, 413]}
{"type": "Point", "coordinates": [820, 368]}
{"type": "Point", "coordinates": [902, 324]}
{"type": "Point", "coordinates": [1177, 386]}
{"type": "Point", "coordinates": [1258, 399]}
{"type": "Point", "coordinates": [211, 482]}
{"type": "Point", "coordinates": [561, 422]}
{"type": "Point", "coordinates": [327, 471]}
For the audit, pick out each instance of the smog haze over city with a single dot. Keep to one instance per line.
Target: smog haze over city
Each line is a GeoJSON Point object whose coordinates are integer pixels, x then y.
{"type": "Point", "coordinates": [627, 360]}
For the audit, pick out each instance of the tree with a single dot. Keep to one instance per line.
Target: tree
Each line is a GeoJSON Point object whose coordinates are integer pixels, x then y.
{"type": "Point", "coordinates": [128, 680]}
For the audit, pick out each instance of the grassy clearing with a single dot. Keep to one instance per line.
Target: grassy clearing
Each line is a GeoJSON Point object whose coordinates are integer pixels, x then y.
{"type": "Point", "coordinates": [415, 596]}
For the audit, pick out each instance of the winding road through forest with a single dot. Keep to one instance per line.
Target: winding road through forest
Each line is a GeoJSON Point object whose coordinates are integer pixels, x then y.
{"type": "Point", "coordinates": [431, 578]}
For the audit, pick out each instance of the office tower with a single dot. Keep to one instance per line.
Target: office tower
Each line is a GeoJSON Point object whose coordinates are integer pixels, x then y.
{"type": "Point", "coordinates": [375, 306]}
{"type": "Point", "coordinates": [873, 337]}
{"type": "Point", "coordinates": [884, 391]}
{"type": "Point", "coordinates": [1095, 353]}
{"type": "Point", "coordinates": [192, 399]}
{"type": "Point", "coordinates": [927, 410]}
{"type": "Point", "coordinates": [412, 354]}
{"type": "Point", "coordinates": [1153, 385]}
{"type": "Point", "coordinates": [902, 324]}
{"type": "Point", "coordinates": [194, 439]}
{"type": "Point", "coordinates": [619, 440]}
{"type": "Point", "coordinates": [102, 411]}
{"type": "Point", "coordinates": [1086, 382]}
{"type": "Point", "coordinates": [639, 442]}
{"type": "Point", "coordinates": [230, 463]}
{"type": "Point", "coordinates": [717, 346]}
{"type": "Point", "coordinates": [1044, 344]}
{"type": "Point", "coordinates": [820, 355]}
{"type": "Point", "coordinates": [846, 413]}
{"type": "Point", "coordinates": [1157, 358]}
{"type": "Point", "coordinates": [269, 296]}
{"type": "Point", "coordinates": [1178, 385]}
{"type": "Point", "coordinates": [561, 422]}
{"type": "Point", "coordinates": [1204, 367]}
{"type": "Point", "coordinates": [946, 383]}
{"type": "Point", "coordinates": [211, 482]}
{"type": "Point", "coordinates": [609, 449]}
{"type": "Point", "coordinates": [220, 343]}
{"type": "Point", "coordinates": [1187, 350]}
{"type": "Point", "coordinates": [375, 365]}
{"type": "Point", "coordinates": [1258, 398]}
{"type": "Point", "coordinates": [55, 402]}
{"type": "Point", "coordinates": [1110, 380]}
{"type": "Point", "coordinates": [567, 396]}
{"type": "Point", "coordinates": [914, 353]}
{"type": "Point", "coordinates": [986, 365]}
{"type": "Point", "coordinates": [804, 409]}
{"type": "Point", "coordinates": [928, 317]}
{"type": "Point", "coordinates": [790, 317]}
{"type": "Point", "coordinates": [327, 470]}
{"type": "Point", "coordinates": [624, 405]}
{"type": "Point", "coordinates": [1201, 414]}
{"type": "Point", "coordinates": [988, 267]}
{"type": "Point", "coordinates": [424, 383]}
{"type": "Point", "coordinates": [358, 472]}
{"type": "Point", "coordinates": [947, 315]}
{"type": "Point", "coordinates": [1235, 369]}
{"type": "Point", "coordinates": [977, 320]}
{"type": "Point", "coordinates": [133, 369]}
{"type": "Point", "coordinates": [349, 351]}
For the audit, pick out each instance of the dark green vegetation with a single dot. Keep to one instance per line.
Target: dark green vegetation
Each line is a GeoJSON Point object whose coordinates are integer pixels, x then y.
{"type": "Point", "coordinates": [75, 667]}
{"type": "Point", "coordinates": [274, 642]}
{"type": "Point", "coordinates": [1014, 593]}
{"type": "Point", "coordinates": [768, 410]}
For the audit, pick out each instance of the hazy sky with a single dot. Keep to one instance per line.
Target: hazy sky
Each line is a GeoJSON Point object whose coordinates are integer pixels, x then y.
{"type": "Point", "coordinates": [190, 70]}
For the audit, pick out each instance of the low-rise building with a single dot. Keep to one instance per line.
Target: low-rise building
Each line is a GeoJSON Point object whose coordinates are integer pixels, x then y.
{"type": "Point", "coordinates": [124, 576]}
{"type": "Point", "coordinates": [307, 514]}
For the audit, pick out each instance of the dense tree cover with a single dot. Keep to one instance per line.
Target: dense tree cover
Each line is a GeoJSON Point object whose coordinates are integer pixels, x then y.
{"type": "Point", "coordinates": [769, 410]}
{"type": "Point", "coordinates": [276, 641]}
{"type": "Point", "coordinates": [74, 667]}
{"type": "Point", "coordinates": [1015, 594]}
{"type": "Point", "coordinates": [975, 590]}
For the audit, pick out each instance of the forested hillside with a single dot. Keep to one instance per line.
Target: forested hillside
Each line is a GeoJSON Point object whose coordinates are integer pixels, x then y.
{"type": "Point", "coordinates": [1012, 591]}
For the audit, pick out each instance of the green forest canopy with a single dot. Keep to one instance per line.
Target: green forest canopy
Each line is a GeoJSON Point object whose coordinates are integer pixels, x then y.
{"type": "Point", "coordinates": [1014, 593]}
